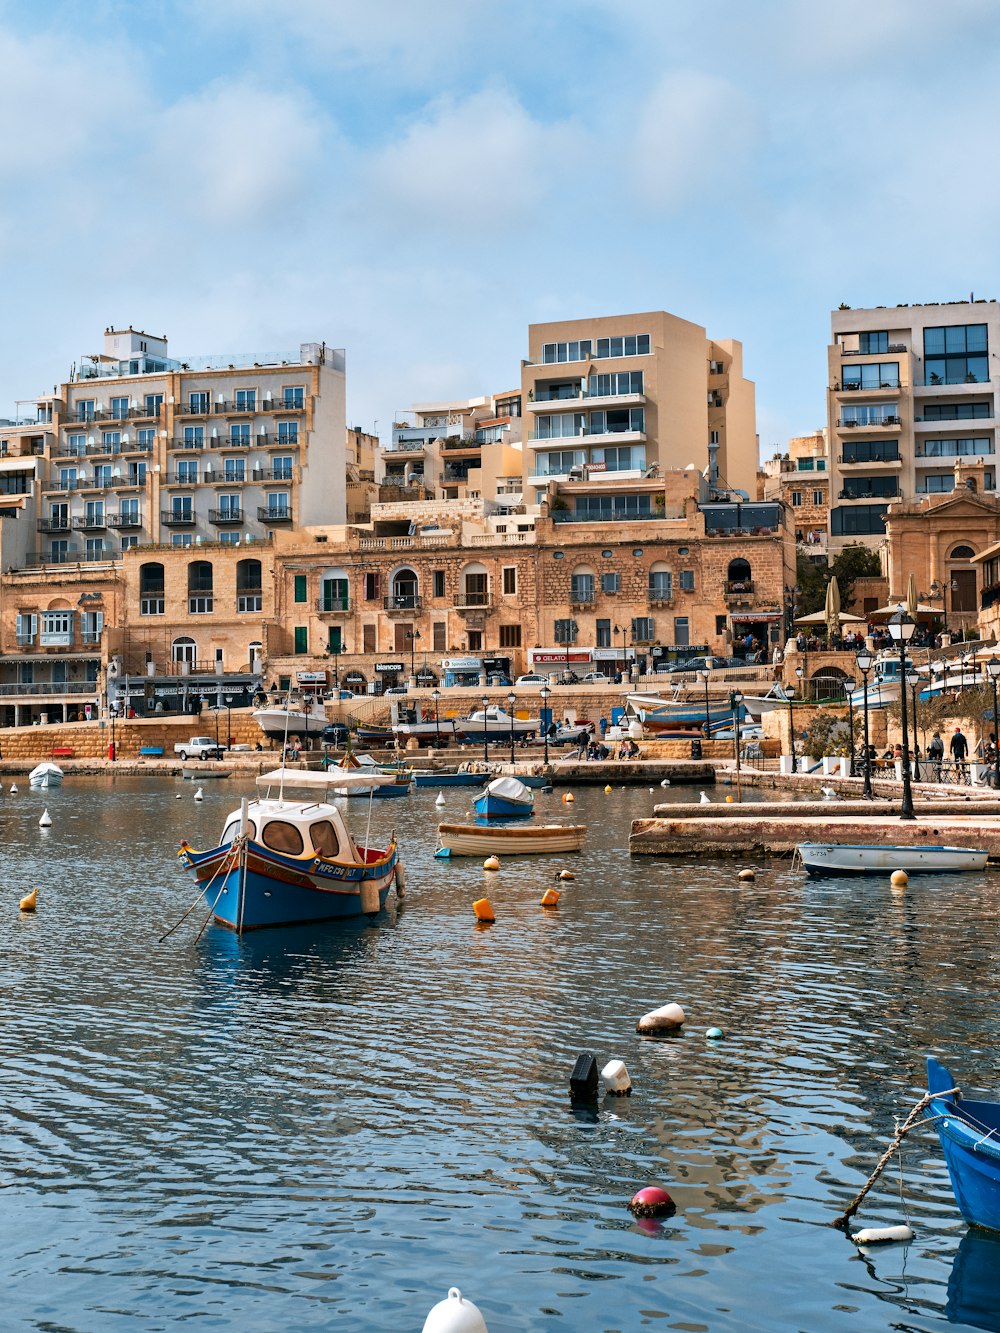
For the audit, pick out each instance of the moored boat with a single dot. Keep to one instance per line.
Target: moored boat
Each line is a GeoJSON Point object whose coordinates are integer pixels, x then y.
{"type": "Point", "coordinates": [505, 798]}
{"type": "Point", "coordinates": [387, 779]}
{"type": "Point", "coordinates": [830, 858]}
{"type": "Point", "coordinates": [970, 1139]}
{"type": "Point", "coordinates": [480, 840]}
{"type": "Point", "coordinates": [295, 720]}
{"type": "Point", "coordinates": [289, 862]}
{"type": "Point", "coordinates": [45, 775]}
{"type": "Point", "coordinates": [371, 733]}
{"type": "Point", "coordinates": [456, 777]}
{"type": "Point", "coordinates": [494, 724]}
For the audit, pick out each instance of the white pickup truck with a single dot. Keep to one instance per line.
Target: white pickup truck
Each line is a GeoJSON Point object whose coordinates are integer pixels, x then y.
{"type": "Point", "coordinates": [198, 747]}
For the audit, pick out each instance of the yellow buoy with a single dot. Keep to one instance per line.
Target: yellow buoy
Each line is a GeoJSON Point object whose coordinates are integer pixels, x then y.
{"type": "Point", "coordinates": [729, 800]}
{"type": "Point", "coordinates": [899, 879]}
{"type": "Point", "coordinates": [30, 900]}
{"type": "Point", "coordinates": [565, 874]}
{"type": "Point", "coordinates": [550, 898]}
{"type": "Point", "coordinates": [568, 797]}
{"type": "Point", "coordinates": [483, 910]}
{"type": "Point", "coordinates": [491, 863]}
{"type": "Point", "coordinates": [607, 790]}
{"type": "Point", "coordinates": [747, 875]}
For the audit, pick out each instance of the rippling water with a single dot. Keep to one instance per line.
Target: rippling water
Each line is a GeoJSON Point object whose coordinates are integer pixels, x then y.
{"type": "Point", "coordinates": [328, 1128]}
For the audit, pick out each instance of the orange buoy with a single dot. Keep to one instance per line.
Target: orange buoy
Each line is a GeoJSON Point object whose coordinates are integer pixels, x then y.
{"type": "Point", "coordinates": [568, 797]}
{"type": "Point", "coordinates": [550, 898]}
{"type": "Point", "coordinates": [483, 910]}
{"type": "Point", "coordinates": [30, 900]}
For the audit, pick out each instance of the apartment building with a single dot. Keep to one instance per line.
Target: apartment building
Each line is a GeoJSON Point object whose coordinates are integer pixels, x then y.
{"type": "Point", "coordinates": [799, 478]}
{"type": "Point", "coordinates": [612, 402]}
{"type": "Point", "coordinates": [912, 389]}
{"type": "Point", "coordinates": [455, 450]}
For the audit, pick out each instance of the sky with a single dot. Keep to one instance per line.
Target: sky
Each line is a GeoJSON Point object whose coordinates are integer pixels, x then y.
{"type": "Point", "coordinates": [419, 180]}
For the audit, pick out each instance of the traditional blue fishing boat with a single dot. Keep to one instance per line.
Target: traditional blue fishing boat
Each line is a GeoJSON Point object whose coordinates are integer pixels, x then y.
{"type": "Point", "coordinates": [504, 798]}
{"type": "Point", "coordinates": [284, 862]}
{"type": "Point", "coordinates": [970, 1138]}
{"type": "Point", "coordinates": [459, 777]}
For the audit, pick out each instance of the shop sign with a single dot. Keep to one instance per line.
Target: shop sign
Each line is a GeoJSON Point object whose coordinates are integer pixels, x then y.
{"type": "Point", "coordinates": [310, 677]}
{"type": "Point", "coordinates": [462, 663]}
{"type": "Point", "coordinates": [386, 668]}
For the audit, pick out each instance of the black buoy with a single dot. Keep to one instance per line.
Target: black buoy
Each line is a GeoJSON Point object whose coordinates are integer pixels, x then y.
{"type": "Point", "coordinates": [583, 1080]}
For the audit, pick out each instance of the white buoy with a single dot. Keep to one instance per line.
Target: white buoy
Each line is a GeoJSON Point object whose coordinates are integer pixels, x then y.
{"type": "Point", "coordinates": [704, 800]}
{"type": "Point", "coordinates": [46, 820]}
{"type": "Point", "coordinates": [665, 782]}
{"type": "Point", "coordinates": [199, 795]}
{"type": "Point", "coordinates": [652, 791]}
{"type": "Point", "coordinates": [615, 1078]}
{"type": "Point", "coordinates": [748, 876]}
{"type": "Point", "coordinates": [179, 797]}
{"type": "Point", "coordinates": [876, 1235]}
{"type": "Point", "coordinates": [455, 1315]}
{"type": "Point", "coordinates": [829, 794]}
{"type": "Point", "coordinates": [665, 1019]}
{"type": "Point", "coordinates": [440, 798]}
{"type": "Point", "coordinates": [13, 788]}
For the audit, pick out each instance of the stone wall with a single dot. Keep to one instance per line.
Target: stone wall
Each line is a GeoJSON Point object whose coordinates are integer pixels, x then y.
{"type": "Point", "coordinates": [89, 740]}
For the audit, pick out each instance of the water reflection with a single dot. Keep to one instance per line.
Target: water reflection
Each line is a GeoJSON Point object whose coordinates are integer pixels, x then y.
{"type": "Point", "coordinates": [974, 1284]}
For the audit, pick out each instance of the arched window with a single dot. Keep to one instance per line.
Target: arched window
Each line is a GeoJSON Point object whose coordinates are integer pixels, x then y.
{"type": "Point", "coordinates": [581, 585]}
{"type": "Point", "coordinates": [200, 600]}
{"type": "Point", "coordinates": [249, 589]}
{"type": "Point", "coordinates": [335, 590]}
{"type": "Point", "coordinates": [405, 590]}
{"type": "Point", "coordinates": [661, 582]}
{"type": "Point", "coordinates": [962, 553]}
{"type": "Point", "coordinates": [475, 589]}
{"type": "Point", "coordinates": [184, 651]}
{"type": "Point", "coordinates": [151, 589]}
{"type": "Point", "coordinates": [739, 577]}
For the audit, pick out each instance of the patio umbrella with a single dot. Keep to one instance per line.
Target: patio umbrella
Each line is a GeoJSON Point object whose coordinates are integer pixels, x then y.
{"type": "Point", "coordinates": [819, 618]}
{"type": "Point", "coordinates": [911, 597]}
{"type": "Point", "coordinates": [832, 613]}
{"type": "Point", "coordinates": [921, 612]}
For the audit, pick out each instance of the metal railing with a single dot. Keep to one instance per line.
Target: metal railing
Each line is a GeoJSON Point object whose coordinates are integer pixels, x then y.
{"type": "Point", "coordinates": [177, 518]}
{"type": "Point", "coordinates": [266, 515]}
{"type": "Point", "coordinates": [272, 474]}
{"type": "Point", "coordinates": [53, 525]}
{"type": "Point", "coordinates": [50, 687]}
{"type": "Point", "coordinates": [332, 605]}
{"type": "Point", "coordinates": [402, 601]}
{"type": "Point", "coordinates": [90, 523]}
{"type": "Point", "coordinates": [220, 516]}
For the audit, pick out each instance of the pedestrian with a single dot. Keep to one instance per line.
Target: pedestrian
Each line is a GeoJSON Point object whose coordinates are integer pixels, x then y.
{"type": "Point", "coordinates": [935, 753]}
{"type": "Point", "coordinates": [959, 748]}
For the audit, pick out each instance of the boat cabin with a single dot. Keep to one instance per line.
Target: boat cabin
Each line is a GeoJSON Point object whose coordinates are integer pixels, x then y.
{"type": "Point", "coordinates": [295, 829]}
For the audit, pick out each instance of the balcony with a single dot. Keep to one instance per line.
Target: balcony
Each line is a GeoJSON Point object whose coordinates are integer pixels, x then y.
{"type": "Point", "coordinates": [402, 602]}
{"type": "Point", "coordinates": [224, 517]}
{"type": "Point", "coordinates": [332, 606]}
{"type": "Point", "coordinates": [271, 474]}
{"type": "Point", "coordinates": [184, 479]}
{"type": "Point", "coordinates": [660, 596]}
{"type": "Point", "coordinates": [891, 348]}
{"type": "Point", "coordinates": [53, 525]}
{"type": "Point", "coordinates": [268, 515]}
{"type": "Point", "coordinates": [869, 425]}
{"type": "Point", "coordinates": [225, 407]}
{"type": "Point", "coordinates": [870, 495]}
{"type": "Point", "coordinates": [405, 447]}
{"type": "Point", "coordinates": [91, 522]}
{"type": "Point", "coordinates": [249, 599]}
{"type": "Point", "coordinates": [195, 409]}
{"type": "Point", "coordinates": [124, 520]}
{"type": "Point", "coordinates": [64, 486]}
{"type": "Point", "coordinates": [586, 441]}
{"type": "Point", "coordinates": [177, 518]}
{"type": "Point", "coordinates": [180, 443]}
{"type": "Point", "coordinates": [90, 636]}
{"type": "Point", "coordinates": [234, 442]}
{"type": "Point", "coordinates": [25, 640]}
{"type": "Point", "coordinates": [893, 460]}
{"type": "Point", "coordinates": [473, 601]}
{"type": "Point", "coordinates": [574, 402]}
{"type": "Point", "coordinates": [738, 588]}
{"type": "Point", "coordinates": [582, 596]}
{"type": "Point", "coordinates": [868, 388]}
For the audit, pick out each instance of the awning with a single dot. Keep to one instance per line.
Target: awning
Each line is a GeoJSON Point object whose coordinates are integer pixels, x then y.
{"type": "Point", "coordinates": [746, 617]}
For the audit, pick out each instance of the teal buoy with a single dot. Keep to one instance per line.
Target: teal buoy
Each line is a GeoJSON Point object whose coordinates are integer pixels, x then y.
{"type": "Point", "coordinates": [443, 853]}
{"type": "Point", "coordinates": [714, 1034]}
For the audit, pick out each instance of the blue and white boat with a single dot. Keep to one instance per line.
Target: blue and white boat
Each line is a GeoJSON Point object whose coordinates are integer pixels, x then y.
{"type": "Point", "coordinates": [883, 688]}
{"type": "Point", "coordinates": [970, 1138]}
{"type": "Point", "coordinates": [494, 724]}
{"type": "Point", "coordinates": [848, 858]}
{"type": "Point", "coordinates": [284, 862]}
{"type": "Point", "coordinates": [386, 779]}
{"type": "Point", "coordinates": [455, 777]}
{"type": "Point", "coordinates": [505, 798]}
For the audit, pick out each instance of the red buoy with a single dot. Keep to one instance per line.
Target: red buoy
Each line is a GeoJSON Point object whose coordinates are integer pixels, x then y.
{"type": "Point", "coordinates": [652, 1202]}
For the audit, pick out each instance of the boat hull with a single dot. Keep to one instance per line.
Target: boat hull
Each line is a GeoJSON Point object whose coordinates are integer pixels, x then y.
{"type": "Point", "coordinates": [277, 890]}
{"type": "Point", "coordinates": [971, 1151]}
{"type": "Point", "coordinates": [489, 806]}
{"type": "Point", "coordinates": [448, 779]}
{"type": "Point", "coordinates": [845, 859]}
{"type": "Point", "coordinates": [279, 722]}
{"type": "Point", "coordinates": [546, 839]}
{"type": "Point", "coordinates": [383, 792]}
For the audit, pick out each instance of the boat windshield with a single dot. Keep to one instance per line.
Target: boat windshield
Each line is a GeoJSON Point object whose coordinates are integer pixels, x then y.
{"type": "Point", "coordinates": [233, 827]}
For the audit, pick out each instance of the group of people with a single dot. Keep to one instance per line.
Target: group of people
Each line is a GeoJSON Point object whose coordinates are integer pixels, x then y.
{"type": "Point", "coordinates": [934, 759]}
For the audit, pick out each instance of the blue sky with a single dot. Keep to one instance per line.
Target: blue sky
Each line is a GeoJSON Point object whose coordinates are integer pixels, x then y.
{"type": "Point", "coordinates": [418, 180]}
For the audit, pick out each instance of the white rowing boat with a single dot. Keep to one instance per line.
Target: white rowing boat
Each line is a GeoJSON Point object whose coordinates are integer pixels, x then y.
{"type": "Point", "coordinates": [830, 858]}
{"type": "Point", "coordinates": [479, 840]}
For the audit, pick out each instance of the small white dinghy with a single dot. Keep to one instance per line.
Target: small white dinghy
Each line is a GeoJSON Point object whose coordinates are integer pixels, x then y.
{"type": "Point", "coordinates": [830, 858]}
{"type": "Point", "coordinates": [44, 776]}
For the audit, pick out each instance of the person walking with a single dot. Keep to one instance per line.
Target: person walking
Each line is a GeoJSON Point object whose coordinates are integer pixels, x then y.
{"type": "Point", "coordinates": [959, 748]}
{"type": "Point", "coordinates": [935, 753]}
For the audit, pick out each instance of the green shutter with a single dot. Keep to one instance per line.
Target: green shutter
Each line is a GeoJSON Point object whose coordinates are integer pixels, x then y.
{"type": "Point", "coordinates": [301, 593]}
{"type": "Point", "coordinates": [301, 639]}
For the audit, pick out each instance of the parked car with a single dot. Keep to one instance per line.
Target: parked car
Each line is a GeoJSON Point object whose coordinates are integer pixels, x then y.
{"type": "Point", "coordinates": [395, 689]}
{"type": "Point", "coordinates": [692, 664]}
{"type": "Point", "coordinates": [200, 747]}
{"type": "Point", "coordinates": [594, 678]}
{"type": "Point", "coordinates": [532, 678]}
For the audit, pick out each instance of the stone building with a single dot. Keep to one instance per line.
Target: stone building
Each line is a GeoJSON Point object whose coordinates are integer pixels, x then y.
{"type": "Point", "coordinates": [800, 480]}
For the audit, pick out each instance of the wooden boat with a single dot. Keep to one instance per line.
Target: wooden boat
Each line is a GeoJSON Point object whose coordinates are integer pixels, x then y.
{"type": "Point", "coordinates": [831, 858]}
{"type": "Point", "coordinates": [204, 774]}
{"type": "Point", "coordinates": [370, 733]}
{"type": "Point", "coordinates": [504, 798]}
{"type": "Point", "coordinates": [283, 862]}
{"type": "Point", "coordinates": [970, 1139]}
{"type": "Point", "coordinates": [482, 840]}
{"type": "Point", "coordinates": [45, 775]}
{"type": "Point", "coordinates": [387, 779]}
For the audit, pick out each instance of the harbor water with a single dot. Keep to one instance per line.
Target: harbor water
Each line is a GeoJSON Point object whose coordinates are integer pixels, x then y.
{"type": "Point", "coordinates": [327, 1128]}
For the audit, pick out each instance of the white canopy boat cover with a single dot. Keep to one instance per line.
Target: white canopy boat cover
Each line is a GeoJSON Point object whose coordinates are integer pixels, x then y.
{"type": "Point", "coordinates": [307, 780]}
{"type": "Point", "coordinates": [510, 789]}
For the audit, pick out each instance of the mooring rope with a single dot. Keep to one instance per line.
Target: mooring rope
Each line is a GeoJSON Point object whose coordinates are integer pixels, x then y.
{"type": "Point", "coordinates": [224, 864]}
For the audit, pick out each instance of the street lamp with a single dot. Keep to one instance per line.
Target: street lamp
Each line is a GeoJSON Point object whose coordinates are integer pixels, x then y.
{"type": "Point", "coordinates": [865, 660]}
{"type": "Point", "coordinates": [849, 691]}
{"type": "Point", "coordinates": [486, 723]}
{"type": "Point", "coordinates": [229, 725]}
{"type": "Point", "coordinates": [993, 671]}
{"type": "Point", "coordinates": [735, 701]}
{"type": "Point", "coordinates": [413, 635]}
{"type": "Point", "coordinates": [511, 700]}
{"type": "Point", "coordinates": [545, 692]}
{"type": "Point", "coordinates": [437, 720]}
{"type": "Point", "coordinates": [791, 724]}
{"type": "Point", "coordinates": [913, 680]}
{"type": "Point", "coordinates": [902, 628]}
{"type": "Point", "coordinates": [703, 673]}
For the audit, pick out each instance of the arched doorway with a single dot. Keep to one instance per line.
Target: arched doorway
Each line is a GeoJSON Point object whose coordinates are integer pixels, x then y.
{"type": "Point", "coordinates": [405, 590]}
{"type": "Point", "coordinates": [962, 578]}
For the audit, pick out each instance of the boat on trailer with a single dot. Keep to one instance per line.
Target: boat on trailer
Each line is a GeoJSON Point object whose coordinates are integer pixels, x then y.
{"type": "Point", "coordinates": [283, 862]}
{"type": "Point", "coordinates": [970, 1139]}
{"type": "Point", "coordinates": [480, 840]}
{"type": "Point", "coordinates": [831, 858]}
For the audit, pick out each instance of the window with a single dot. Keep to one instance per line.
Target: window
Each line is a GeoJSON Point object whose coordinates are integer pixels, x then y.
{"type": "Point", "coordinates": [152, 403]}
{"type": "Point", "coordinates": [559, 426]}
{"type": "Point", "coordinates": [643, 629]}
{"type": "Point", "coordinates": [151, 589]}
{"type": "Point", "coordinates": [102, 474]}
{"type": "Point", "coordinates": [368, 639]}
{"type": "Point", "coordinates": [76, 444]}
{"type": "Point", "coordinates": [294, 395]}
{"type": "Point", "coordinates": [187, 472]}
{"type": "Point", "coordinates": [239, 434]}
{"type": "Point", "coordinates": [373, 588]}
{"type": "Point", "coordinates": [137, 474]}
{"type": "Point", "coordinates": [110, 441]}
{"type": "Point", "coordinates": [612, 508]}
{"type": "Point", "coordinates": [946, 411]}
{"type": "Point", "coordinates": [956, 354]}
{"type": "Point", "coordinates": [860, 520]}
{"type": "Point", "coordinates": [687, 580]}
{"type": "Point", "coordinates": [510, 636]}
{"type": "Point", "coordinates": [603, 635]}
{"type": "Point", "coordinates": [248, 585]}
{"type": "Point", "coordinates": [335, 639]}
{"type": "Point", "coordinates": [91, 626]}
{"type": "Point", "coordinates": [234, 469]}
{"type": "Point", "coordinates": [475, 640]}
{"type": "Point", "coordinates": [119, 409]}
{"type": "Point", "coordinates": [145, 438]}
{"type": "Point", "coordinates": [611, 583]}
{"type": "Point", "coordinates": [324, 838]}
{"type": "Point", "coordinates": [281, 467]}
{"type": "Point", "coordinates": [229, 507]}
{"type": "Point", "coordinates": [818, 497]}
{"type": "Point", "coordinates": [509, 575]}
{"type": "Point", "coordinates": [581, 587]}
{"type": "Point", "coordinates": [57, 629]}
{"type": "Point", "coordinates": [85, 409]}
{"type": "Point", "coordinates": [181, 539]}
{"type": "Point", "coordinates": [194, 437]}
{"type": "Point", "coordinates": [334, 594]}
{"type": "Point", "coordinates": [277, 505]}
{"type": "Point", "coordinates": [246, 400]}
{"type": "Point", "coordinates": [439, 636]}
{"type": "Point", "coordinates": [971, 445]}
{"type": "Point", "coordinates": [438, 582]}
{"type": "Point", "coordinates": [865, 486]}
{"type": "Point", "coordinates": [568, 351]}
{"type": "Point", "coordinates": [873, 342]}
{"type": "Point", "coordinates": [633, 344]}
{"type": "Point", "coordinates": [616, 420]}
{"type": "Point", "coordinates": [129, 543]}
{"type": "Point", "coordinates": [935, 483]}
{"type": "Point", "coordinates": [93, 514]}
{"type": "Point", "coordinates": [620, 460]}
{"type": "Point", "coordinates": [565, 631]}
{"type": "Point", "coordinates": [661, 584]}
{"type": "Point", "coordinates": [605, 386]}
{"type": "Point", "coordinates": [198, 402]}
{"type": "Point", "coordinates": [93, 549]}
{"type": "Point", "coordinates": [281, 836]}
{"type": "Point", "coordinates": [681, 632]}
{"type": "Point", "coordinates": [200, 586]}
{"type": "Point", "coordinates": [871, 451]}
{"type": "Point", "coordinates": [288, 432]}
{"type": "Point", "coordinates": [301, 637]}
{"type": "Point", "coordinates": [27, 628]}
{"type": "Point", "coordinates": [878, 414]}
{"type": "Point", "coordinates": [872, 375]}
{"type": "Point", "coordinates": [796, 498]}
{"type": "Point", "coordinates": [558, 463]}
{"type": "Point", "coordinates": [301, 593]}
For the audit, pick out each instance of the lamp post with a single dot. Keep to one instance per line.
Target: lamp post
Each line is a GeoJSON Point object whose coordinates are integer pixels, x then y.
{"type": "Point", "coordinates": [511, 700]}
{"type": "Point", "coordinates": [437, 719]}
{"type": "Point", "coordinates": [486, 720]}
{"type": "Point", "coordinates": [849, 690]}
{"type": "Point", "coordinates": [623, 631]}
{"type": "Point", "coordinates": [865, 660]}
{"type": "Point", "coordinates": [993, 671]}
{"type": "Point", "coordinates": [335, 651]}
{"type": "Point", "coordinates": [708, 717]}
{"type": "Point", "coordinates": [913, 680]}
{"type": "Point", "coordinates": [791, 724]}
{"type": "Point", "coordinates": [545, 692]}
{"type": "Point", "coordinates": [229, 725]}
{"type": "Point", "coordinates": [902, 628]}
{"type": "Point", "coordinates": [413, 635]}
{"type": "Point", "coordinates": [735, 701]}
